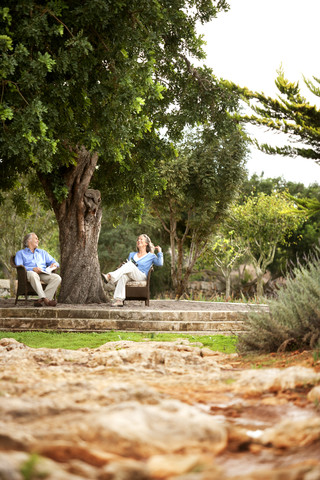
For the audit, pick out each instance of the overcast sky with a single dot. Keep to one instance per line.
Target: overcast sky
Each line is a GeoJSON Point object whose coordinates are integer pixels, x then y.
{"type": "Point", "coordinates": [249, 43]}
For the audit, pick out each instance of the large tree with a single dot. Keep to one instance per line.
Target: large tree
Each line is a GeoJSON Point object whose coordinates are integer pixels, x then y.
{"type": "Point", "coordinates": [85, 89]}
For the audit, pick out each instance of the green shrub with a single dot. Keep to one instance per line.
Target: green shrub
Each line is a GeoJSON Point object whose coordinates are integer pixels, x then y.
{"type": "Point", "coordinates": [293, 319]}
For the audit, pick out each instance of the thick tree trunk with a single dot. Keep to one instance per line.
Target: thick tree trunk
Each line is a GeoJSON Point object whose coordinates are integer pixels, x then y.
{"type": "Point", "coordinates": [80, 267]}
{"type": "Point", "coordinates": [79, 220]}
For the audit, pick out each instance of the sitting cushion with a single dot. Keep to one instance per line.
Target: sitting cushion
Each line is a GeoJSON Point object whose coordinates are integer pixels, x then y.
{"type": "Point", "coordinates": [132, 283]}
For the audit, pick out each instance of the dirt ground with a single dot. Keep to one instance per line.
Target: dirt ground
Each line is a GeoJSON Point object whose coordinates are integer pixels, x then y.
{"type": "Point", "coordinates": [307, 358]}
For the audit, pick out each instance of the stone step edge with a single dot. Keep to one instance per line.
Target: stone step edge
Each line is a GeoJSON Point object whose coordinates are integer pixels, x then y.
{"type": "Point", "coordinates": [123, 314]}
{"type": "Point", "coordinates": [184, 332]}
{"type": "Point", "coordinates": [117, 318]}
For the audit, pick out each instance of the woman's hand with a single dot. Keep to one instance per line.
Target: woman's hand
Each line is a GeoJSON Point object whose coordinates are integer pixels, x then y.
{"type": "Point", "coordinates": [158, 248]}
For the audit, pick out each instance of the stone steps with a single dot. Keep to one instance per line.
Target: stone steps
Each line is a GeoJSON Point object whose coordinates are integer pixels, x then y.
{"type": "Point", "coordinates": [101, 320]}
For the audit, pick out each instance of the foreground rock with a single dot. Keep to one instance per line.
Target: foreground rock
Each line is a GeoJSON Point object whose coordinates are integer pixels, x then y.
{"type": "Point", "coordinates": [134, 411]}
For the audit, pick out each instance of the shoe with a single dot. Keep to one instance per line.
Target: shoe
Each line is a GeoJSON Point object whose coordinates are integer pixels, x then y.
{"type": "Point", "coordinates": [38, 303]}
{"type": "Point", "coordinates": [106, 277]}
{"type": "Point", "coordinates": [117, 303]}
{"type": "Point", "coordinates": [49, 303]}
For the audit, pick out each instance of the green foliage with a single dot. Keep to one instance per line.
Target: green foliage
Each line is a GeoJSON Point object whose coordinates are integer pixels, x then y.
{"type": "Point", "coordinates": [291, 114]}
{"type": "Point", "coordinates": [293, 320]}
{"type": "Point", "coordinates": [73, 341]}
{"type": "Point", "coordinates": [264, 220]}
{"type": "Point", "coordinates": [305, 238]}
{"type": "Point", "coordinates": [115, 242]}
{"type": "Point", "coordinates": [31, 469]}
{"type": "Point", "coordinates": [310, 206]}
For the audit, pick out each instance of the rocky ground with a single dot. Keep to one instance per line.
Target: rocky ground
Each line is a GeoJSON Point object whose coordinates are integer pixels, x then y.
{"type": "Point", "coordinates": [151, 410]}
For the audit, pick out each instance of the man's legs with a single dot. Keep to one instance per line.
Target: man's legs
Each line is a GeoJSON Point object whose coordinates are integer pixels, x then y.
{"type": "Point", "coordinates": [53, 281]}
{"type": "Point", "coordinates": [35, 281]}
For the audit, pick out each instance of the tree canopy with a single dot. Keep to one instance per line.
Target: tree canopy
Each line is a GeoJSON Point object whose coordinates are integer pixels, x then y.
{"type": "Point", "coordinates": [95, 74]}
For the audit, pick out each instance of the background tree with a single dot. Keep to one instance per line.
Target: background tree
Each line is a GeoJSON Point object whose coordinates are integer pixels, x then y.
{"type": "Point", "coordinates": [306, 237]}
{"type": "Point", "coordinates": [262, 223]}
{"type": "Point", "coordinates": [85, 89]}
{"type": "Point", "coordinates": [291, 114]}
{"type": "Point", "coordinates": [225, 252]}
{"type": "Point", "coordinates": [200, 185]}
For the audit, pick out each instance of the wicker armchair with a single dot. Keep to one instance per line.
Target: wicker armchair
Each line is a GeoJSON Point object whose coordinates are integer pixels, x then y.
{"type": "Point", "coordinates": [139, 290]}
{"type": "Point", "coordinates": [24, 287]}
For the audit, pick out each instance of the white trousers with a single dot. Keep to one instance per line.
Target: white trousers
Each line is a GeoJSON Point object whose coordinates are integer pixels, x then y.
{"type": "Point", "coordinates": [127, 271]}
{"type": "Point", "coordinates": [52, 281]}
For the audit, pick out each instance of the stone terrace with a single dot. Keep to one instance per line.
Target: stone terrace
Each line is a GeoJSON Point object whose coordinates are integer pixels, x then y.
{"type": "Point", "coordinates": [161, 316]}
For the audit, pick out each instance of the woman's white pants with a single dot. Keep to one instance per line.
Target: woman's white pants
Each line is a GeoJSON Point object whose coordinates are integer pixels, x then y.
{"type": "Point", "coordinates": [128, 271]}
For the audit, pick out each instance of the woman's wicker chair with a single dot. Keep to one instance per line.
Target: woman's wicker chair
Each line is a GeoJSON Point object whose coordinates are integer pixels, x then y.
{"type": "Point", "coordinates": [139, 290]}
{"type": "Point", "coordinates": [24, 287]}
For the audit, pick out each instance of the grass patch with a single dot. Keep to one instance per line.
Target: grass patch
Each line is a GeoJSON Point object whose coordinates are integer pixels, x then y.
{"type": "Point", "coordinates": [75, 340]}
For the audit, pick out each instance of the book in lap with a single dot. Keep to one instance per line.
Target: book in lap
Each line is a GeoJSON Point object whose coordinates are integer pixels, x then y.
{"type": "Point", "coordinates": [49, 270]}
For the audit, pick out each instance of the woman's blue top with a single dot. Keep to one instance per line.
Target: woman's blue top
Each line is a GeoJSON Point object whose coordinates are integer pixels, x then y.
{"type": "Point", "coordinates": [144, 263]}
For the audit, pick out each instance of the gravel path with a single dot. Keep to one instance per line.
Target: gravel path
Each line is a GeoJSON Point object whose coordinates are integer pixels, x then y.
{"type": "Point", "coordinates": [171, 305]}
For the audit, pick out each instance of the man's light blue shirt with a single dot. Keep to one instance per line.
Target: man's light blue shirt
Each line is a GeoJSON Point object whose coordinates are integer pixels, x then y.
{"type": "Point", "coordinates": [39, 258]}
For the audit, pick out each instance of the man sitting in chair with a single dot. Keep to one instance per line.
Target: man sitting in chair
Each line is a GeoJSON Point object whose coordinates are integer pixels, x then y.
{"type": "Point", "coordinates": [39, 265]}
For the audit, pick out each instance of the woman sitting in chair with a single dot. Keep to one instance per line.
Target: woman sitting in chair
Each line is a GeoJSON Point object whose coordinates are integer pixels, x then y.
{"type": "Point", "coordinates": [136, 268]}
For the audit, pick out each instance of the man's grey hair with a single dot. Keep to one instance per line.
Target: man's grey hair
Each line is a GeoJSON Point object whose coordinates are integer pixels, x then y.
{"type": "Point", "coordinates": [27, 238]}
